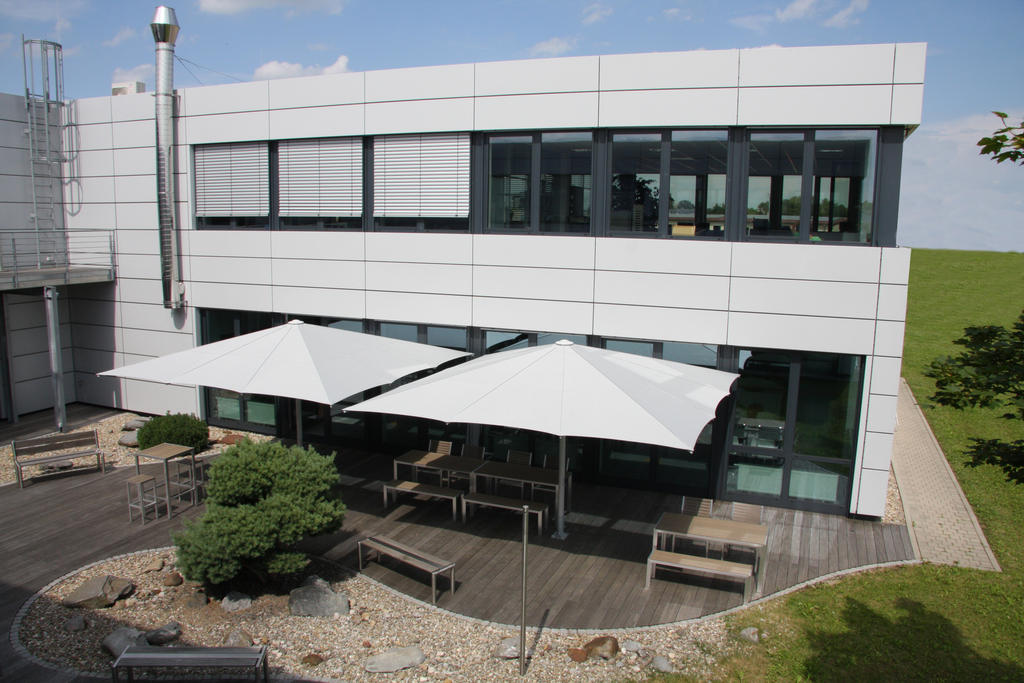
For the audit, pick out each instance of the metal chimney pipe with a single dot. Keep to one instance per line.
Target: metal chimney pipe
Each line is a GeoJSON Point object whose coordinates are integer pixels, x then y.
{"type": "Point", "coordinates": [165, 33]}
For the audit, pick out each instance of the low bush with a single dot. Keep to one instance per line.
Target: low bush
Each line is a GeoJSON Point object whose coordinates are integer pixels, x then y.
{"type": "Point", "coordinates": [263, 499]}
{"type": "Point", "coordinates": [184, 430]}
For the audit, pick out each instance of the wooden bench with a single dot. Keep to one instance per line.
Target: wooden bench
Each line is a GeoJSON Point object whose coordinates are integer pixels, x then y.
{"type": "Point", "coordinates": [137, 656]}
{"type": "Point", "coordinates": [487, 500]}
{"type": "Point", "coordinates": [702, 565]}
{"type": "Point", "coordinates": [397, 486]}
{"type": "Point", "coordinates": [383, 545]}
{"type": "Point", "coordinates": [41, 451]}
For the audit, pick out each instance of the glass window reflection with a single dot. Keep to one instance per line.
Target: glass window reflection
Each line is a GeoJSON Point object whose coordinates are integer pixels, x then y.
{"type": "Point", "coordinates": [774, 194]}
{"type": "Point", "coordinates": [565, 182]}
{"type": "Point", "coordinates": [844, 185]}
{"type": "Point", "coordinates": [636, 182]}
{"type": "Point", "coordinates": [697, 183]}
{"type": "Point", "coordinates": [509, 187]}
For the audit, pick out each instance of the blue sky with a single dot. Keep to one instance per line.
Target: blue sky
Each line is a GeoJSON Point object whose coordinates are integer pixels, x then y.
{"type": "Point", "coordinates": [951, 197]}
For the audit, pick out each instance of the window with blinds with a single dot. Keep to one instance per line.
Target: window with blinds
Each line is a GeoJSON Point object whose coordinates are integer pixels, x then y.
{"type": "Point", "coordinates": [232, 180]}
{"type": "Point", "coordinates": [424, 176]}
{"type": "Point", "coordinates": [318, 178]}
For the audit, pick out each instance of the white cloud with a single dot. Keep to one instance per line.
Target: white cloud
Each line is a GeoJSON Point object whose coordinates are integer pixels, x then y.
{"type": "Point", "coordinates": [552, 47]}
{"type": "Point", "coordinates": [753, 22]}
{"type": "Point", "coordinates": [293, 6]}
{"type": "Point", "coordinates": [40, 11]}
{"type": "Point", "coordinates": [142, 72]}
{"type": "Point", "coordinates": [596, 12]}
{"type": "Point", "coordinates": [951, 197]}
{"type": "Point", "coordinates": [848, 15]}
{"type": "Point", "coordinates": [124, 34]}
{"type": "Point", "coordinates": [676, 14]}
{"type": "Point", "coordinates": [798, 9]}
{"type": "Point", "coordinates": [277, 69]}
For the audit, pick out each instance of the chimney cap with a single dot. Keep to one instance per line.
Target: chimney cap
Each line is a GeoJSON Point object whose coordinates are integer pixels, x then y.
{"type": "Point", "coordinates": [164, 25]}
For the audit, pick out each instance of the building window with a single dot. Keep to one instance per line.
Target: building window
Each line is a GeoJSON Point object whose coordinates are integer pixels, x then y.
{"type": "Point", "coordinates": [844, 185]}
{"type": "Point", "coordinates": [696, 206]}
{"type": "Point", "coordinates": [774, 186]}
{"type": "Point", "coordinates": [793, 432]}
{"type": "Point", "coordinates": [320, 183]}
{"type": "Point", "coordinates": [565, 182]}
{"type": "Point", "coordinates": [636, 182]}
{"type": "Point", "coordinates": [232, 185]}
{"type": "Point", "coordinates": [421, 182]}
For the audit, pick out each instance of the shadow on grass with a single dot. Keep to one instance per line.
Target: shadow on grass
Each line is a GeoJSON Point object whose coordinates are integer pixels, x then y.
{"type": "Point", "coordinates": [1009, 455]}
{"type": "Point", "coordinates": [919, 645]}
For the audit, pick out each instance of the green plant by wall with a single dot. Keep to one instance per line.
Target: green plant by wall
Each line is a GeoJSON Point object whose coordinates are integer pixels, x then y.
{"type": "Point", "coordinates": [184, 430]}
{"type": "Point", "coordinates": [263, 499]}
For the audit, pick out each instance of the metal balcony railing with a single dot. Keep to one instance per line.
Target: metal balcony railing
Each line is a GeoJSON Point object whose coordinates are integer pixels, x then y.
{"type": "Point", "coordinates": [29, 258]}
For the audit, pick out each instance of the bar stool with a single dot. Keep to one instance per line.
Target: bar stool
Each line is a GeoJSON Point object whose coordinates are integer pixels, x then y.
{"type": "Point", "coordinates": [182, 479]}
{"type": "Point", "coordinates": [142, 495]}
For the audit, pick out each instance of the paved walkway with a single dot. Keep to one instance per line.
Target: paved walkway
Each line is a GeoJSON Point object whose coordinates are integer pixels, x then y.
{"type": "Point", "coordinates": [942, 523]}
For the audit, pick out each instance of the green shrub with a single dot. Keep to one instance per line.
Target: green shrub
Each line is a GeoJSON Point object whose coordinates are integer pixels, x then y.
{"type": "Point", "coordinates": [184, 430]}
{"type": "Point", "coordinates": [263, 498]}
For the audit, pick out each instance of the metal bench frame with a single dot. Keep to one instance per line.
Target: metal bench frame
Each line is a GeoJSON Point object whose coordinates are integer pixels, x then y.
{"type": "Point", "coordinates": [138, 656]}
{"type": "Point", "coordinates": [397, 486]}
{"type": "Point", "coordinates": [382, 545]}
{"type": "Point", "coordinates": [26, 452]}
{"type": "Point", "coordinates": [487, 500]}
{"type": "Point", "coordinates": [701, 565]}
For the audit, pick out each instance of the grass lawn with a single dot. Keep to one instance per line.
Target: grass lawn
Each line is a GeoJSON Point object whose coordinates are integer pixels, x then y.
{"type": "Point", "coordinates": [925, 622]}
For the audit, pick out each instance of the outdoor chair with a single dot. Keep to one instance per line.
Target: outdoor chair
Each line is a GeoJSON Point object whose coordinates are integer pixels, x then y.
{"type": "Point", "coordinates": [518, 458]}
{"type": "Point", "coordinates": [700, 507]}
{"type": "Point", "coordinates": [474, 452]}
{"type": "Point", "coordinates": [746, 512]}
{"type": "Point", "coordinates": [442, 447]}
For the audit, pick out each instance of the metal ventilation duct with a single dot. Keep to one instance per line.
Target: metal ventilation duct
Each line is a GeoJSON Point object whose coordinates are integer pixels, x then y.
{"type": "Point", "coordinates": [165, 33]}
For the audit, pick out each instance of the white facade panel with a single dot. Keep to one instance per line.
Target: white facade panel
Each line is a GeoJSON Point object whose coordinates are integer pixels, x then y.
{"type": "Point", "coordinates": [420, 83]}
{"type": "Point", "coordinates": [250, 271]}
{"type": "Point", "coordinates": [329, 274]}
{"type": "Point", "coordinates": [539, 251]}
{"type": "Point", "coordinates": [877, 451]}
{"type": "Point", "coordinates": [532, 314]}
{"type": "Point", "coordinates": [803, 297]}
{"type": "Point", "coordinates": [889, 338]}
{"type": "Point", "coordinates": [667, 324]}
{"type": "Point", "coordinates": [436, 309]}
{"type": "Point", "coordinates": [895, 266]}
{"type": "Point", "coordinates": [892, 302]}
{"type": "Point", "coordinates": [696, 107]}
{"type": "Point", "coordinates": [138, 242]}
{"type": "Point", "coordinates": [159, 399]}
{"type": "Point", "coordinates": [230, 296]}
{"type": "Point", "coordinates": [805, 262]}
{"type": "Point", "coordinates": [427, 278]}
{"type": "Point", "coordinates": [419, 116]}
{"type": "Point", "coordinates": [134, 134]}
{"type": "Point", "coordinates": [907, 103]}
{"type": "Point", "coordinates": [662, 289]}
{"type": "Point", "coordinates": [910, 59]}
{"type": "Point", "coordinates": [872, 494]}
{"type": "Point", "coordinates": [221, 99]}
{"type": "Point", "coordinates": [555, 284]}
{"type": "Point", "coordinates": [804, 333]}
{"type": "Point", "coordinates": [101, 338]}
{"type": "Point", "coordinates": [155, 317]}
{"type": "Point", "coordinates": [666, 70]}
{"type": "Point", "coordinates": [93, 190]}
{"type": "Point", "coordinates": [317, 122]}
{"type": "Point", "coordinates": [135, 215]}
{"type": "Point", "coordinates": [92, 136]}
{"type": "Point", "coordinates": [419, 248]}
{"type": "Point", "coordinates": [135, 188]}
{"type": "Point", "coordinates": [881, 413]}
{"type": "Point", "coordinates": [133, 107]}
{"type": "Point", "coordinates": [230, 243]}
{"type": "Point", "coordinates": [834, 64]}
{"type": "Point", "coordinates": [150, 343]}
{"type": "Point", "coordinates": [132, 160]}
{"type": "Point", "coordinates": [91, 361]}
{"type": "Point", "coordinates": [885, 375]}
{"type": "Point", "coordinates": [316, 91]}
{"type": "Point", "coordinates": [555, 110]}
{"type": "Point", "coordinates": [143, 291]}
{"type": "Point", "coordinates": [97, 162]}
{"type": "Point", "coordinates": [302, 244]}
{"type": "Point", "coordinates": [88, 110]}
{"type": "Point", "coordinates": [84, 216]}
{"type": "Point", "coordinates": [337, 303]}
{"type": "Point", "coordinates": [664, 256]}
{"type": "Point", "coordinates": [822, 105]}
{"type": "Point", "coordinates": [141, 266]}
{"type": "Point", "coordinates": [241, 127]}
{"type": "Point", "coordinates": [530, 76]}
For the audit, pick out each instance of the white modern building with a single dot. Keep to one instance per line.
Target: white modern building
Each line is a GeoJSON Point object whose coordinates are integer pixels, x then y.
{"type": "Point", "coordinates": [734, 208]}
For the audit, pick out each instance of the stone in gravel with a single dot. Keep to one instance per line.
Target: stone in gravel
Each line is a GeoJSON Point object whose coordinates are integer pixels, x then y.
{"type": "Point", "coordinates": [235, 601]}
{"type": "Point", "coordinates": [196, 600]}
{"type": "Point", "coordinates": [121, 637]}
{"type": "Point", "coordinates": [750, 633]}
{"type": "Point", "coordinates": [75, 623]}
{"type": "Point", "coordinates": [630, 646]}
{"type": "Point", "coordinates": [507, 649]}
{"type": "Point", "coordinates": [137, 423]}
{"type": "Point", "coordinates": [316, 598]}
{"type": "Point", "coordinates": [662, 664]}
{"type": "Point", "coordinates": [156, 565]}
{"type": "Point", "coordinates": [604, 647]}
{"type": "Point", "coordinates": [577, 654]}
{"type": "Point", "coordinates": [238, 638]}
{"type": "Point", "coordinates": [129, 439]}
{"type": "Point", "coordinates": [231, 439]}
{"type": "Point", "coordinates": [395, 659]}
{"type": "Point", "coordinates": [173, 579]}
{"type": "Point", "coordinates": [165, 634]}
{"type": "Point", "coordinates": [99, 591]}
{"type": "Point", "coordinates": [312, 659]}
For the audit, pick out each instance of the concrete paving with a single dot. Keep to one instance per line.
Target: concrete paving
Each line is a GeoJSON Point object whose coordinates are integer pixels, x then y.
{"type": "Point", "coordinates": [941, 522]}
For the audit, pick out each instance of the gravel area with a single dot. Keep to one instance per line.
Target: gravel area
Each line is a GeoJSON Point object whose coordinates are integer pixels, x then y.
{"type": "Point", "coordinates": [108, 432]}
{"type": "Point", "coordinates": [893, 503]}
{"type": "Point", "coordinates": [456, 648]}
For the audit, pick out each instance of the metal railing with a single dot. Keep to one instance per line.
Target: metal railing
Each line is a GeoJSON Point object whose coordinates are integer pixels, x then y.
{"type": "Point", "coordinates": [24, 254]}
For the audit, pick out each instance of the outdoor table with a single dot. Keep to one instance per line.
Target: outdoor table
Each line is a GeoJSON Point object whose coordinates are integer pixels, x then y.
{"type": "Point", "coordinates": [164, 453]}
{"type": "Point", "coordinates": [414, 459]}
{"type": "Point", "coordinates": [672, 525]}
{"type": "Point", "coordinates": [492, 469]}
{"type": "Point", "coordinates": [447, 464]}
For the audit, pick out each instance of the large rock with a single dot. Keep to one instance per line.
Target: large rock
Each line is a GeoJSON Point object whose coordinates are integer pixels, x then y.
{"type": "Point", "coordinates": [604, 647]}
{"type": "Point", "coordinates": [751, 634]}
{"type": "Point", "coordinates": [395, 659]}
{"type": "Point", "coordinates": [235, 601]}
{"type": "Point", "coordinates": [75, 623]}
{"type": "Point", "coordinates": [238, 638]}
{"type": "Point", "coordinates": [122, 637]}
{"type": "Point", "coordinates": [507, 649]}
{"type": "Point", "coordinates": [662, 664]}
{"type": "Point", "coordinates": [130, 439]}
{"type": "Point", "coordinates": [167, 633]}
{"type": "Point", "coordinates": [99, 591]}
{"type": "Point", "coordinates": [137, 423]}
{"type": "Point", "coordinates": [316, 598]}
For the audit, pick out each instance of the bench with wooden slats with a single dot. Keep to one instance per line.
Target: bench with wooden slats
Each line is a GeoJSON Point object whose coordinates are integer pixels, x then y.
{"type": "Point", "coordinates": [406, 554]}
{"type": "Point", "coordinates": [45, 450]}
{"type": "Point", "coordinates": [397, 486]}
{"type": "Point", "coordinates": [147, 656]}
{"type": "Point", "coordinates": [486, 500]}
{"type": "Point", "coordinates": [701, 565]}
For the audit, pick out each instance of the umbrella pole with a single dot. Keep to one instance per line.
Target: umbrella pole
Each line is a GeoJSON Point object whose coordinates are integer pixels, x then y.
{"type": "Point", "coordinates": [560, 502]}
{"type": "Point", "coordinates": [298, 422]}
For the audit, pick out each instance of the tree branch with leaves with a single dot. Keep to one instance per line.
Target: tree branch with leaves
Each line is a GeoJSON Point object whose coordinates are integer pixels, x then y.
{"type": "Point", "coordinates": [1005, 144]}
